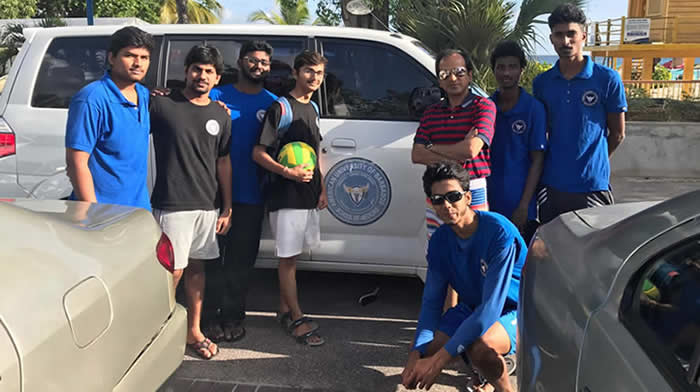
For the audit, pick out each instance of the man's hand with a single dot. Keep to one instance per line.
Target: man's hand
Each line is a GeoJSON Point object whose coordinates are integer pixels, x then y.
{"type": "Point", "coordinates": [299, 173]}
{"type": "Point", "coordinates": [408, 378]}
{"type": "Point", "coordinates": [223, 105]}
{"type": "Point", "coordinates": [223, 223]}
{"type": "Point", "coordinates": [519, 218]}
{"type": "Point", "coordinates": [160, 91]}
{"type": "Point", "coordinates": [426, 371]}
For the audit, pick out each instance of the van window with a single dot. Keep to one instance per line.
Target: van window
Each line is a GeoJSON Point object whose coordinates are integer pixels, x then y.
{"type": "Point", "coordinates": [665, 317]}
{"type": "Point", "coordinates": [371, 81]}
{"type": "Point", "coordinates": [279, 81]}
{"type": "Point", "coordinates": [71, 63]}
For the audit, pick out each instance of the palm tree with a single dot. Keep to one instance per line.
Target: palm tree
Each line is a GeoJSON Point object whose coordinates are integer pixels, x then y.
{"type": "Point", "coordinates": [292, 12]}
{"type": "Point", "coordinates": [195, 11]}
{"type": "Point", "coordinates": [475, 26]}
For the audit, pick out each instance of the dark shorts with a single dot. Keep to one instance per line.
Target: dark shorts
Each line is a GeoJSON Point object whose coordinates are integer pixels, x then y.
{"type": "Point", "coordinates": [552, 202]}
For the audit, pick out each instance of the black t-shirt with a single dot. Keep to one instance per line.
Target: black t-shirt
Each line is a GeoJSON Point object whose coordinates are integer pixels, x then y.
{"type": "Point", "coordinates": [188, 139]}
{"type": "Point", "coordinates": [284, 193]}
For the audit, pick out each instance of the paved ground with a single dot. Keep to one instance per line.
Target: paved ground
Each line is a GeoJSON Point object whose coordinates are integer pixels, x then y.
{"type": "Point", "coordinates": [366, 346]}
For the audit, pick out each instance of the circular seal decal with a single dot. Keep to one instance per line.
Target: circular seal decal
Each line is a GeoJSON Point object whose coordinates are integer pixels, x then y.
{"type": "Point", "coordinates": [589, 98]}
{"type": "Point", "coordinates": [359, 192]}
{"type": "Point", "coordinates": [212, 127]}
{"type": "Point", "coordinates": [260, 115]}
{"type": "Point", "coordinates": [519, 126]}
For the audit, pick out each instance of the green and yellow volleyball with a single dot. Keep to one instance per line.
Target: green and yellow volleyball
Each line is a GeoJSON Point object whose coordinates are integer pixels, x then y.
{"type": "Point", "coordinates": [297, 153]}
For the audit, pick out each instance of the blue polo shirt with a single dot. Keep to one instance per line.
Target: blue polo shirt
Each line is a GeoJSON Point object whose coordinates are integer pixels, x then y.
{"type": "Point", "coordinates": [577, 155]}
{"type": "Point", "coordinates": [247, 113]}
{"type": "Point", "coordinates": [484, 270]}
{"type": "Point", "coordinates": [102, 122]}
{"type": "Point", "coordinates": [519, 131]}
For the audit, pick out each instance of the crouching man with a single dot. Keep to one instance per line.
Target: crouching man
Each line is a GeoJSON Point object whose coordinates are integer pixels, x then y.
{"type": "Point", "coordinates": [480, 254]}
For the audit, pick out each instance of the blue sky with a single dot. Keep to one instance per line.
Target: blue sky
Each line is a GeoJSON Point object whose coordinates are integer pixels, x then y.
{"type": "Point", "coordinates": [237, 11]}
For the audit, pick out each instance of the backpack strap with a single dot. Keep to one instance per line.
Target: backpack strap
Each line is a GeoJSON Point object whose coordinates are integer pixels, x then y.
{"type": "Point", "coordinates": [315, 105]}
{"type": "Point", "coordinates": [286, 117]}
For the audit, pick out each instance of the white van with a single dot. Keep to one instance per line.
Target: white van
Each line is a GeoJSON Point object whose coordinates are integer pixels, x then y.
{"type": "Point", "coordinates": [376, 84]}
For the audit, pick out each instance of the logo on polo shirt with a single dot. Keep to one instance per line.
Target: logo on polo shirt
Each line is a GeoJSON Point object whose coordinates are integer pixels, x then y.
{"type": "Point", "coordinates": [589, 98]}
{"type": "Point", "coordinates": [483, 267]}
{"type": "Point", "coordinates": [519, 127]}
{"type": "Point", "coordinates": [260, 115]}
{"type": "Point", "coordinates": [212, 127]}
{"type": "Point", "coordinates": [359, 192]}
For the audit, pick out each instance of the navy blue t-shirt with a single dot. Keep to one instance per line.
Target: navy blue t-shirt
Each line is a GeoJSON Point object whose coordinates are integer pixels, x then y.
{"type": "Point", "coordinates": [114, 131]}
{"type": "Point", "coordinates": [247, 113]}
{"type": "Point", "coordinates": [484, 270]}
{"type": "Point", "coordinates": [577, 154]}
{"type": "Point", "coordinates": [519, 131]}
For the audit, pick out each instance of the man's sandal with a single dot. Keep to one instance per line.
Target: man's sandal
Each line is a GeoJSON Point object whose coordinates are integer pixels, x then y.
{"type": "Point", "coordinates": [310, 338]}
{"type": "Point", "coordinates": [203, 349]}
{"type": "Point", "coordinates": [233, 331]}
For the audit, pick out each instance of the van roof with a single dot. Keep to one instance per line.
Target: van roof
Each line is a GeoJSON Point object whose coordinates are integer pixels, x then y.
{"type": "Point", "coordinates": [251, 28]}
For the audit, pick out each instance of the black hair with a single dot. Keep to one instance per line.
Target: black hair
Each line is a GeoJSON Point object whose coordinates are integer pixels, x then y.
{"type": "Point", "coordinates": [309, 57]}
{"type": "Point", "coordinates": [255, 46]}
{"type": "Point", "coordinates": [449, 52]}
{"type": "Point", "coordinates": [566, 13]}
{"type": "Point", "coordinates": [205, 54]}
{"type": "Point", "coordinates": [444, 170]}
{"type": "Point", "coordinates": [508, 49]}
{"type": "Point", "coordinates": [131, 36]}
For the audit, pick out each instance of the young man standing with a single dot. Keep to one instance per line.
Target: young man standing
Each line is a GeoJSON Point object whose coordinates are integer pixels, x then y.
{"type": "Point", "coordinates": [247, 100]}
{"type": "Point", "coordinates": [108, 126]}
{"type": "Point", "coordinates": [460, 129]}
{"type": "Point", "coordinates": [585, 105]}
{"type": "Point", "coordinates": [481, 255]}
{"type": "Point", "coordinates": [191, 136]}
{"type": "Point", "coordinates": [295, 198]}
{"type": "Point", "coordinates": [517, 151]}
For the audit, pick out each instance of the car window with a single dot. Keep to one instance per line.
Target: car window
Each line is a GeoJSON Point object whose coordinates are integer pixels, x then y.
{"type": "Point", "coordinates": [371, 81]}
{"type": "Point", "coordinates": [668, 304]}
{"type": "Point", "coordinates": [71, 63]}
{"type": "Point", "coordinates": [279, 81]}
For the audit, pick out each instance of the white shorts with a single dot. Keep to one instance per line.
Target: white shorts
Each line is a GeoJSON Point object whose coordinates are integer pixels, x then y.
{"type": "Point", "coordinates": [294, 231]}
{"type": "Point", "coordinates": [192, 233]}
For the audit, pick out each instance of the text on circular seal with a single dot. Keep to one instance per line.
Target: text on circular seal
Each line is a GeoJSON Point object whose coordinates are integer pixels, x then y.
{"type": "Point", "coordinates": [359, 192]}
{"type": "Point", "coordinates": [212, 127]}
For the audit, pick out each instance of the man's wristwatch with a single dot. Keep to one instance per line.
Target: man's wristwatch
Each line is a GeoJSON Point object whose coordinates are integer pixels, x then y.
{"type": "Point", "coordinates": [428, 146]}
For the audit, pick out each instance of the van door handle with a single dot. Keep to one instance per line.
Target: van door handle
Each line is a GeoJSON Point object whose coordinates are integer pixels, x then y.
{"type": "Point", "coordinates": [343, 143]}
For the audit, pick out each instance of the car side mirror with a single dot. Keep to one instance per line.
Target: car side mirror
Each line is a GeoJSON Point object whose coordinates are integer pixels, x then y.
{"type": "Point", "coordinates": [421, 98]}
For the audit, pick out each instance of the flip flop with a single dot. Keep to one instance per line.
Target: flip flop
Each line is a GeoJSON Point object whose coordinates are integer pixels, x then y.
{"type": "Point", "coordinates": [203, 347]}
{"type": "Point", "coordinates": [307, 337]}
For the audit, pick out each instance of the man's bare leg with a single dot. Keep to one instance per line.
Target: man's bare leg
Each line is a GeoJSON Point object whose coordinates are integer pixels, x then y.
{"type": "Point", "coordinates": [451, 299]}
{"type": "Point", "coordinates": [177, 275]}
{"type": "Point", "coordinates": [194, 293]}
{"type": "Point", "coordinates": [289, 300]}
{"type": "Point", "coordinates": [486, 354]}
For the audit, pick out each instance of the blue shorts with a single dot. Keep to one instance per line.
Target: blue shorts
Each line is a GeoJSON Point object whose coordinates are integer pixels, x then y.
{"type": "Point", "coordinates": [454, 317]}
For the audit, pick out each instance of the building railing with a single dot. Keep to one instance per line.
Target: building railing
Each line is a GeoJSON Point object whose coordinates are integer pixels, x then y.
{"type": "Point", "coordinates": [663, 29]}
{"type": "Point", "coordinates": [668, 89]}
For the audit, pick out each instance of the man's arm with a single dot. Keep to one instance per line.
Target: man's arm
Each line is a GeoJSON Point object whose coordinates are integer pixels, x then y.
{"type": "Point", "coordinates": [533, 179]}
{"type": "Point", "coordinates": [79, 175]}
{"type": "Point", "coordinates": [616, 128]}
{"type": "Point", "coordinates": [299, 173]}
{"type": "Point", "coordinates": [224, 174]}
{"type": "Point", "coordinates": [462, 151]}
{"type": "Point", "coordinates": [421, 155]}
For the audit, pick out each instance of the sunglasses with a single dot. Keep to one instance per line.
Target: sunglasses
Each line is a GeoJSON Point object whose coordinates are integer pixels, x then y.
{"type": "Point", "coordinates": [253, 61]}
{"type": "Point", "coordinates": [459, 72]}
{"type": "Point", "coordinates": [452, 197]}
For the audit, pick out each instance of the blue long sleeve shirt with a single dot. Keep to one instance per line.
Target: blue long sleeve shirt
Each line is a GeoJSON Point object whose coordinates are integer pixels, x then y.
{"type": "Point", "coordinates": [484, 270]}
